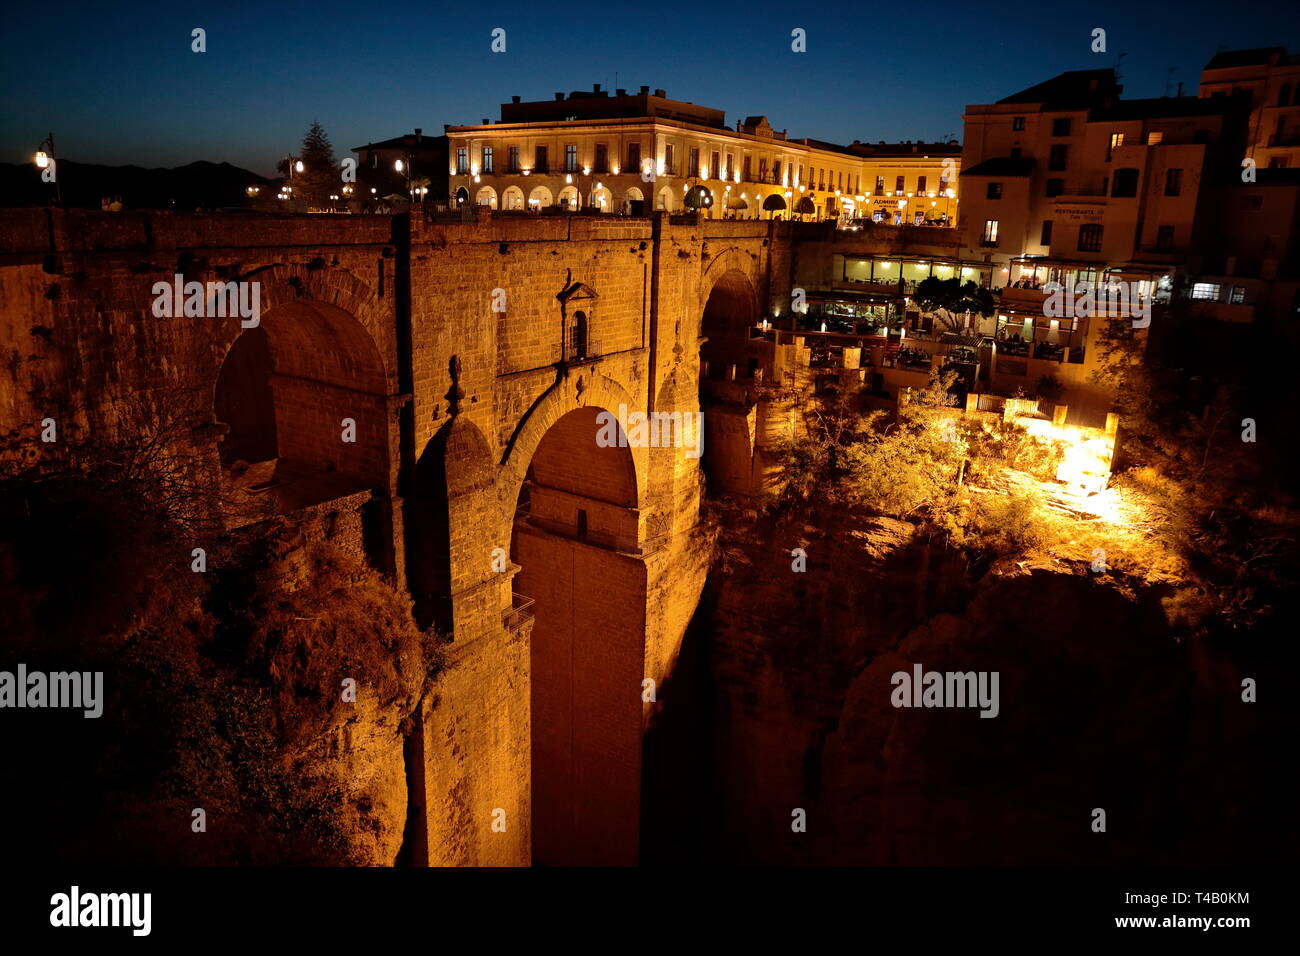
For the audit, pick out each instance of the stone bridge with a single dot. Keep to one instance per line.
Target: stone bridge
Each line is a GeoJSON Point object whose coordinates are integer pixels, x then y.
{"type": "Point", "coordinates": [441, 383]}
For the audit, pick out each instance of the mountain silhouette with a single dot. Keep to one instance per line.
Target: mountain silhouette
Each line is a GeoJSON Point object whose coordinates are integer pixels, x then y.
{"type": "Point", "coordinates": [83, 185]}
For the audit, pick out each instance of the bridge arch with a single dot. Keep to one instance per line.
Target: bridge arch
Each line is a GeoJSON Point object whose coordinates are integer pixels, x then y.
{"type": "Point", "coordinates": [729, 308]}
{"type": "Point", "coordinates": [450, 475]}
{"type": "Point", "coordinates": [304, 398]}
{"type": "Point", "coordinates": [576, 540]}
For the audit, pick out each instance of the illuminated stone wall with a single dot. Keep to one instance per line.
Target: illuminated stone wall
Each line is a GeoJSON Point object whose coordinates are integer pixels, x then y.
{"type": "Point", "coordinates": [433, 331]}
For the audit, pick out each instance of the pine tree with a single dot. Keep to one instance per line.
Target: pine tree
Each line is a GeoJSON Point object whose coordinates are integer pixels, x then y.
{"type": "Point", "coordinates": [319, 178]}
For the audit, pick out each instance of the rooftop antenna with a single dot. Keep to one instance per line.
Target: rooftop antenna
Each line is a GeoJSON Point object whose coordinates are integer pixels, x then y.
{"type": "Point", "coordinates": [1169, 78]}
{"type": "Point", "coordinates": [1119, 59]}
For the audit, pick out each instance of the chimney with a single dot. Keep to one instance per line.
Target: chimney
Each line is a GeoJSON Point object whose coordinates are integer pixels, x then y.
{"type": "Point", "coordinates": [645, 90]}
{"type": "Point", "coordinates": [418, 131]}
{"type": "Point", "coordinates": [559, 97]}
{"type": "Point", "coordinates": [486, 122]}
{"type": "Point", "coordinates": [595, 87]}
{"type": "Point", "coordinates": [661, 94]}
{"type": "Point", "coordinates": [620, 92]}
{"type": "Point", "coordinates": [514, 99]}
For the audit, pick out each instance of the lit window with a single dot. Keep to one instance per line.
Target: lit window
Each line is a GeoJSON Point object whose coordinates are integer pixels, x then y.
{"type": "Point", "coordinates": [990, 237]}
{"type": "Point", "coordinates": [487, 159]}
{"type": "Point", "coordinates": [462, 160]}
{"type": "Point", "coordinates": [1155, 137]}
{"type": "Point", "coordinates": [1205, 290]}
{"type": "Point", "coordinates": [1238, 295]}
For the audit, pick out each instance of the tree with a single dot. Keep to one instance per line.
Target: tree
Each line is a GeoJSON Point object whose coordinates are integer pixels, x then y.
{"type": "Point", "coordinates": [949, 298]}
{"type": "Point", "coordinates": [319, 178]}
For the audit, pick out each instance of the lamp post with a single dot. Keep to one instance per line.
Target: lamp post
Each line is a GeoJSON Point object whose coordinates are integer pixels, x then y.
{"type": "Point", "coordinates": [45, 160]}
{"type": "Point", "coordinates": [403, 167]}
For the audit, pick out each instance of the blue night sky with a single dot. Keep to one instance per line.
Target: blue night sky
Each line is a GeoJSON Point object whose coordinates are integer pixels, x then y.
{"type": "Point", "coordinates": [117, 83]}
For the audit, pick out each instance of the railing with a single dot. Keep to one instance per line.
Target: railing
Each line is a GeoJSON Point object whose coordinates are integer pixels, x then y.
{"type": "Point", "coordinates": [519, 613]}
{"type": "Point", "coordinates": [582, 352]}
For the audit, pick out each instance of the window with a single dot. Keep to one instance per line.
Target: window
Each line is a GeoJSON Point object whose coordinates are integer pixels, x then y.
{"type": "Point", "coordinates": [880, 185]}
{"type": "Point", "coordinates": [990, 236]}
{"type": "Point", "coordinates": [1205, 290]}
{"type": "Point", "coordinates": [1046, 238]}
{"type": "Point", "coordinates": [1058, 157]}
{"type": "Point", "coordinates": [1125, 184]}
{"type": "Point", "coordinates": [1173, 182]}
{"type": "Point", "coordinates": [1252, 203]}
{"type": "Point", "coordinates": [541, 162]}
{"type": "Point", "coordinates": [1278, 162]}
{"type": "Point", "coordinates": [602, 158]}
{"type": "Point", "coordinates": [487, 160]}
{"type": "Point", "coordinates": [1238, 295]}
{"type": "Point", "coordinates": [571, 158]}
{"type": "Point", "coordinates": [731, 165]}
{"type": "Point", "coordinates": [762, 169]}
{"type": "Point", "coordinates": [670, 159]}
{"type": "Point", "coordinates": [1164, 238]}
{"type": "Point", "coordinates": [1090, 237]}
{"type": "Point", "coordinates": [634, 157]}
{"type": "Point", "coordinates": [920, 185]}
{"type": "Point", "coordinates": [462, 160]}
{"type": "Point", "coordinates": [1055, 187]}
{"type": "Point", "coordinates": [578, 336]}
{"type": "Point", "coordinates": [512, 160]}
{"type": "Point", "coordinates": [1017, 123]}
{"type": "Point", "coordinates": [776, 170]}
{"type": "Point", "coordinates": [1116, 141]}
{"type": "Point", "coordinates": [693, 162]}
{"type": "Point", "coordinates": [747, 169]}
{"type": "Point", "coordinates": [899, 185]}
{"type": "Point", "coordinates": [1155, 138]}
{"type": "Point", "coordinates": [714, 168]}
{"type": "Point", "coordinates": [1061, 127]}
{"type": "Point", "coordinates": [1015, 152]}
{"type": "Point", "coordinates": [994, 191]}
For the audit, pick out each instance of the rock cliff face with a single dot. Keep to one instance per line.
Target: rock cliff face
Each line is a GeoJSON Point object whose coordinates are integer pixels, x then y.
{"type": "Point", "coordinates": [1099, 707]}
{"type": "Point", "coordinates": [223, 692]}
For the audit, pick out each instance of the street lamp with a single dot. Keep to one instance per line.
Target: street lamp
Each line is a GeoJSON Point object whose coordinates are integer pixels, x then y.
{"type": "Point", "coordinates": [45, 160]}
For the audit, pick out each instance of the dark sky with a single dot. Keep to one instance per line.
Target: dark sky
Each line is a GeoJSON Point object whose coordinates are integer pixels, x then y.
{"type": "Point", "coordinates": [118, 84]}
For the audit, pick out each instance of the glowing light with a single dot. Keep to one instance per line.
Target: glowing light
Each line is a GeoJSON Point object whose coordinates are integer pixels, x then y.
{"type": "Point", "coordinates": [42, 158]}
{"type": "Point", "coordinates": [397, 165]}
{"type": "Point", "coordinates": [298, 167]}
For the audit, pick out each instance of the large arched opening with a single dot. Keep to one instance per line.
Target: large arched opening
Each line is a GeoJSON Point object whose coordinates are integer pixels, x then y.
{"type": "Point", "coordinates": [576, 544]}
{"type": "Point", "coordinates": [302, 396]}
{"type": "Point", "coordinates": [730, 359]}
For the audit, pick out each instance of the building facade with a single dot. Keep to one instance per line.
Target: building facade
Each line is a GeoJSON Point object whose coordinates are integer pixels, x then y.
{"type": "Point", "coordinates": [634, 153]}
{"type": "Point", "coordinates": [1271, 77]}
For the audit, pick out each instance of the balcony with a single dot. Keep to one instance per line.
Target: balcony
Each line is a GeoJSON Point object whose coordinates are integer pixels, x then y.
{"type": "Point", "coordinates": [577, 353]}
{"type": "Point", "coordinates": [519, 613]}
